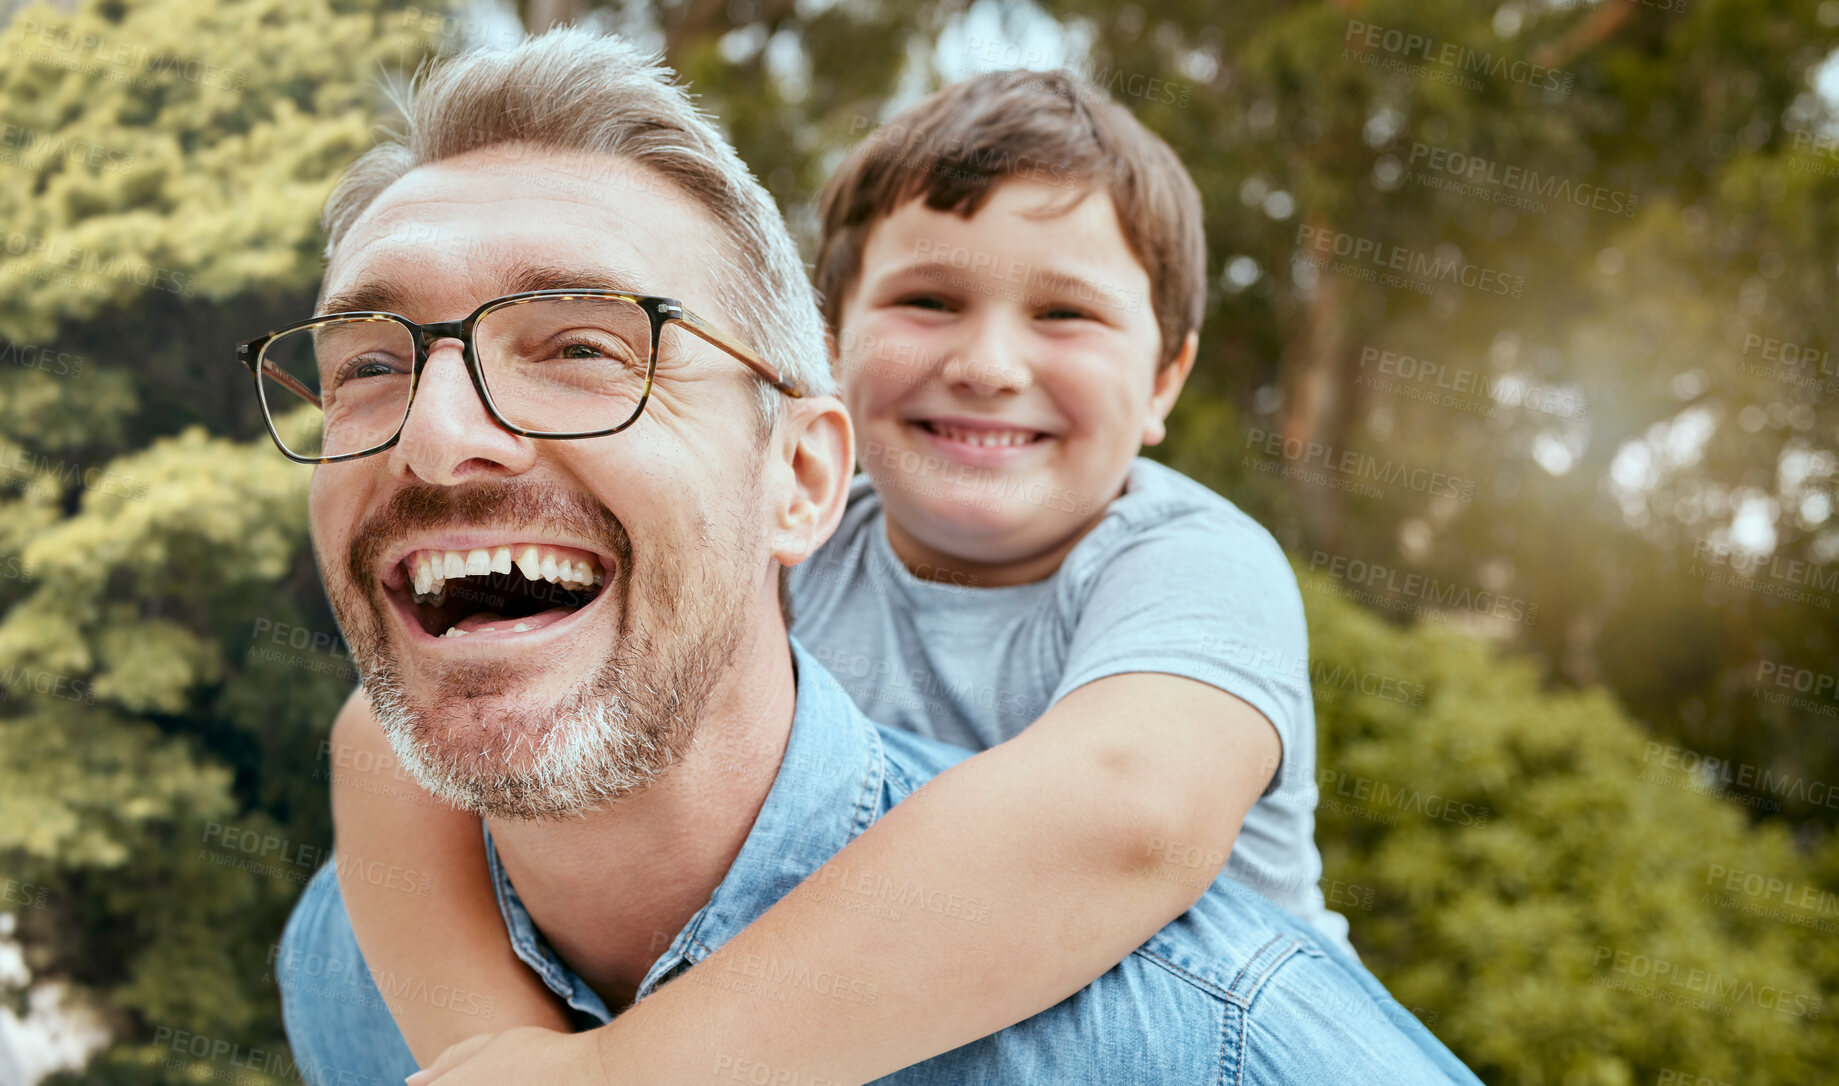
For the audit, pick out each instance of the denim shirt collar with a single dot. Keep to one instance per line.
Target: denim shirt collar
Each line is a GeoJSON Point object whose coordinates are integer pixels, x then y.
{"type": "Point", "coordinates": [830, 787]}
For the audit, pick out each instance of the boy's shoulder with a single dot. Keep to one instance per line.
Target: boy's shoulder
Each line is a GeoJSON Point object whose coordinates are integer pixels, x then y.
{"type": "Point", "coordinates": [1178, 518]}
{"type": "Point", "coordinates": [1155, 493]}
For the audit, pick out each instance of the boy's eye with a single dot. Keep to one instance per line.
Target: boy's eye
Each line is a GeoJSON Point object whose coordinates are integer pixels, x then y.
{"type": "Point", "coordinates": [1065, 313]}
{"type": "Point", "coordinates": [924, 301]}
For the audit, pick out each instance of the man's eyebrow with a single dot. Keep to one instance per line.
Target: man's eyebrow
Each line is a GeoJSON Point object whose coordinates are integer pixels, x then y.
{"type": "Point", "coordinates": [365, 297]}
{"type": "Point", "coordinates": [382, 297]}
{"type": "Point", "coordinates": [559, 277]}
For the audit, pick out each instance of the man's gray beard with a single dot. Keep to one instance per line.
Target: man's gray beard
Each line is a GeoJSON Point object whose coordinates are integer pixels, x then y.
{"type": "Point", "coordinates": [615, 734]}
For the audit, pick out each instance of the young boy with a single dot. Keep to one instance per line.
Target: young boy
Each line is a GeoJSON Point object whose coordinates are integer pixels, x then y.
{"type": "Point", "coordinates": [1013, 274]}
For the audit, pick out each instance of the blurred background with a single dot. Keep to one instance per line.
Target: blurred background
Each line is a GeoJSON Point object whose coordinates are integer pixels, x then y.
{"type": "Point", "coordinates": [1520, 338]}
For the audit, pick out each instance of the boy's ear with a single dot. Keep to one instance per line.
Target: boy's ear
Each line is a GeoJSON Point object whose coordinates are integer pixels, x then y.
{"type": "Point", "coordinates": [812, 461]}
{"type": "Point", "coordinates": [1167, 387]}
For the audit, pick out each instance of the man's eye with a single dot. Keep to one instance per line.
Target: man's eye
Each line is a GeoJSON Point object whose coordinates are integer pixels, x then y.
{"type": "Point", "coordinates": [584, 347]}
{"type": "Point", "coordinates": [367, 366]}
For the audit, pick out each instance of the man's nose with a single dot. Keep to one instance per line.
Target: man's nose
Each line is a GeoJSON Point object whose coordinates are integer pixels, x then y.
{"type": "Point", "coordinates": [993, 359]}
{"type": "Point", "coordinates": [449, 436]}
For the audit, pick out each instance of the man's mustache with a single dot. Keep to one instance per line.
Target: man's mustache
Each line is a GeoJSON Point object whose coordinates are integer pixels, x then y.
{"type": "Point", "coordinates": [543, 510]}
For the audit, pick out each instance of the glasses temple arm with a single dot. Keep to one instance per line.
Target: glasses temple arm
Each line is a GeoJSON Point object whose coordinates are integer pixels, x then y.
{"type": "Point", "coordinates": [739, 350]}
{"type": "Point", "coordinates": [269, 369]}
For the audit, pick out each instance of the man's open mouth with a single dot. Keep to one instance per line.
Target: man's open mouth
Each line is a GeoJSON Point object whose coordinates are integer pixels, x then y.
{"type": "Point", "coordinates": [514, 588]}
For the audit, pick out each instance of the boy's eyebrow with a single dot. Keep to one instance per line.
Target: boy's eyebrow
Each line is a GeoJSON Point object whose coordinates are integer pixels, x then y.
{"type": "Point", "coordinates": [1067, 283]}
{"type": "Point", "coordinates": [1050, 280]}
{"type": "Point", "coordinates": [381, 296]}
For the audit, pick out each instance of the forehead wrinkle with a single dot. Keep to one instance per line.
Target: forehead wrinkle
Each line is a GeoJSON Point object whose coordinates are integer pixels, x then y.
{"type": "Point", "coordinates": [518, 277]}
{"type": "Point", "coordinates": [426, 195]}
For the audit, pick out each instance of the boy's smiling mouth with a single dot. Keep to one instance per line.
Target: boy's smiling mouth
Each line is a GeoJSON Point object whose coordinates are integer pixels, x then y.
{"type": "Point", "coordinates": [985, 442]}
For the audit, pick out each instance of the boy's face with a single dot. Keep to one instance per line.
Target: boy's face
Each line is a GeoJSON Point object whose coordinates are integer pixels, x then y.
{"type": "Point", "coordinates": [1002, 372]}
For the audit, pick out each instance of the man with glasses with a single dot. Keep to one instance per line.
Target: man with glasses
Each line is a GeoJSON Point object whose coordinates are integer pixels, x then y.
{"type": "Point", "coordinates": [566, 363]}
{"type": "Point", "coordinates": [583, 640]}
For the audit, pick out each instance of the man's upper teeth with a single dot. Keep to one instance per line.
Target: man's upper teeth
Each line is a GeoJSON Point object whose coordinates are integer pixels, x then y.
{"type": "Point", "coordinates": [429, 570]}
{"type": "Point", "coordinates": [984, 437]}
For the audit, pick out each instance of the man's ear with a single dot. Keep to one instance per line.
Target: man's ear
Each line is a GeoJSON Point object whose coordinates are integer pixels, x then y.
{"type": "Point", "coordinates": [813, 459]}
{"type": "Point", "coordinates": [1167, 387]}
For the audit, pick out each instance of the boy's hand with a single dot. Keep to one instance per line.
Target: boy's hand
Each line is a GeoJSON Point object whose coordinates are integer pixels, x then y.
{"type": "Point", "coordinates": [524, 1054]}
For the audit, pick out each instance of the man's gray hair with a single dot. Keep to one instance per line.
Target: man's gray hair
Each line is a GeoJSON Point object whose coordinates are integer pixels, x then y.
{"type": "Point", "coordinates": [573, 89]}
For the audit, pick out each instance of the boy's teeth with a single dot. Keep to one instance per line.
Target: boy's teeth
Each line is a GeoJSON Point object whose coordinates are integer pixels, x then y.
{"type": "Point", "coordinates": [984, 437]}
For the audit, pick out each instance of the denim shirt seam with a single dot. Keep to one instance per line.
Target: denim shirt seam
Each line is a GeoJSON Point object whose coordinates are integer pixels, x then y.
{"type": "Point", "coordinates": [868, 804]}
{"type": "Point", "coordinates": [1193, 978]}
{"type": "Point", "coordinates": [675, 956]}
{"type": "Point", "coordinates": [1226, 1020]}
{"type": "Point", "coordinates": [1267, 959]}
{"type": "Point", "coordinates": [1259, 955]}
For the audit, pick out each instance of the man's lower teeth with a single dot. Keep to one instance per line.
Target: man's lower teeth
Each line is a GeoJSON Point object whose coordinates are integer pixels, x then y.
{"type": "Point", "coordinates": [455, 631]}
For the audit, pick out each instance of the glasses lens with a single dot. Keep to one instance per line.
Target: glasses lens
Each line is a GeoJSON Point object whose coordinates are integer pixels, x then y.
{"type": "Point", "coordinates": [359, 372]}
{"type": "Point", "coordinates": [566, 365]}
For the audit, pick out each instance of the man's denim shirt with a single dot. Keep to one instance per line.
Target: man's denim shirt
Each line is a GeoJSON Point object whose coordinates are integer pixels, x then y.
{"type": "Point", "coordinates": [1233, 991]}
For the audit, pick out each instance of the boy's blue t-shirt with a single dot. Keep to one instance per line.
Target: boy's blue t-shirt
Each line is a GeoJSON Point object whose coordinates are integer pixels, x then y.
{"type": "Point", "coordinates": [1174, 579]}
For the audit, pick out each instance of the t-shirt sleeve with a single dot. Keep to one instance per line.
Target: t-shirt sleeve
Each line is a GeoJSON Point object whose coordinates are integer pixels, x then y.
{"type": "Point", "coordinates": [1208, 596]}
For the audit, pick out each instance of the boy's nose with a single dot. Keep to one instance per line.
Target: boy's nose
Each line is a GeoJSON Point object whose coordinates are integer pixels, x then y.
{"type": "Point", "coordinates": [989, 364]}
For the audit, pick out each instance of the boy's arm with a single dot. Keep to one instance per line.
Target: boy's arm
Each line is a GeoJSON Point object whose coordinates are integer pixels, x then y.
{"type": "Point", "coordinates": [1053, 846]}
{"type": "Point", "coordinates": [393, 841]}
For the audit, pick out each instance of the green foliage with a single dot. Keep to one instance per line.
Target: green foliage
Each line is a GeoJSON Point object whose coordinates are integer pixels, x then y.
{"type": "Point", "coordinates": [1527, 859]}
{"type": "Point", "coordinates": [213, 131]}
{"type": "Point", "coordinates": [172, 159]}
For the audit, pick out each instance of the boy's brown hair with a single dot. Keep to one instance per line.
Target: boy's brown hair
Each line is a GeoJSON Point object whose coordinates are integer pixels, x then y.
{"type": "Point", "coordinates": [957, 145]}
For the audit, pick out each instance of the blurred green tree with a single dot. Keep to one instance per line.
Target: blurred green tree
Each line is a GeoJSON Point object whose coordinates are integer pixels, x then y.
{"type": "Point", "coordinates": [157, 768]}
{"type": "Point", "coordinates": [1554, 901]}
